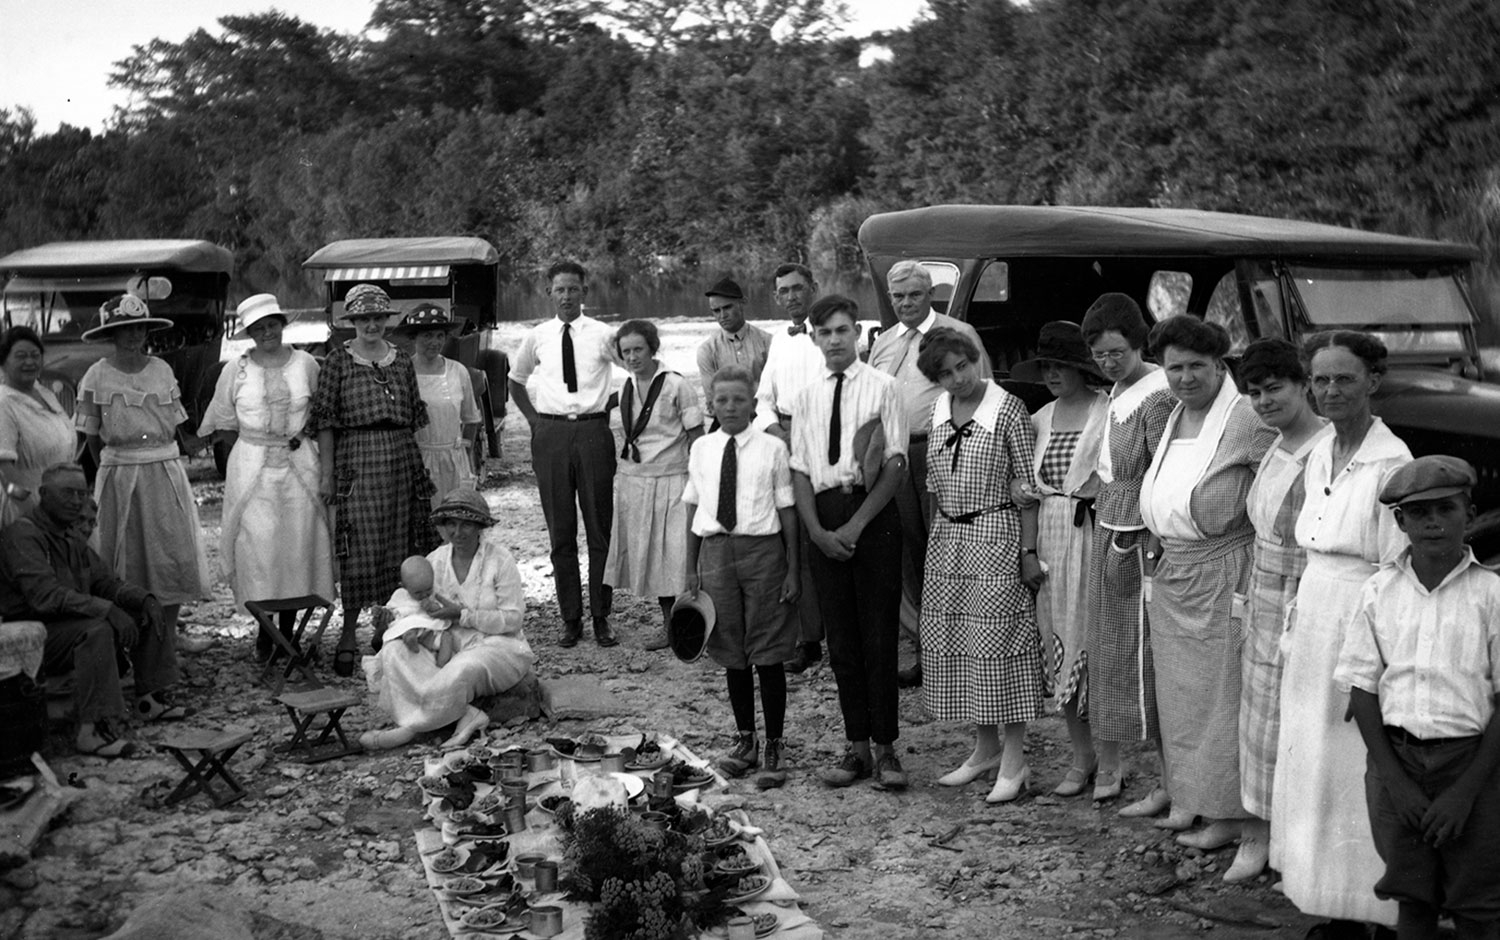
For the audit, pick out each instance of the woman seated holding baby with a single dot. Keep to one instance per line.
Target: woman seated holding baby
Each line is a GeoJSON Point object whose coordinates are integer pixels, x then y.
{"type": "Point", "coordinates": [454, 631]}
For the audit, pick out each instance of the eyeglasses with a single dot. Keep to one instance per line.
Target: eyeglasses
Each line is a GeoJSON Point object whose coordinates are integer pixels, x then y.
{"type": "Point", "coordinates": [1341, 382]}
{"type": "Point", "coordinates": [1109, 355]}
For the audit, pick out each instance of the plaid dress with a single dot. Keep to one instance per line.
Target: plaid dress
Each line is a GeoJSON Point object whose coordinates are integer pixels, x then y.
{"type": "Point", "coordinates": [1122, 677]}
{"type": "Point", "coordinates": [382, 491]}
{"type": "Point", "coordinates": [981, 653]}
{"type": "Point", "coordinates": [1275, 500]}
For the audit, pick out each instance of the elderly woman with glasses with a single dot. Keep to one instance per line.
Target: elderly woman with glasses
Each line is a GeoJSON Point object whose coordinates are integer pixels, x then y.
{"type": "Point", "coordinates": [366, 411]}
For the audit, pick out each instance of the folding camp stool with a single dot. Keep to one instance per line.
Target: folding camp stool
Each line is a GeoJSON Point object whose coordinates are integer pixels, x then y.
{"type": "Point", "coordinates": [300, 650]}
{"type": "Point", "coordinates": [214, 749]}
{"type": "Point", "coordinates": [303, 708]}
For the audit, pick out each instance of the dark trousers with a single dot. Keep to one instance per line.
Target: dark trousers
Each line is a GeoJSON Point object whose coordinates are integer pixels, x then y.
{"type": "Point", "coordinates": [914, 505]}
{"type": "Point", "coordinates": [86, 648]}
{"type": "Point", "coordinates": [575, 473]}
{"type": "Point", "coordinates": [860, 600]}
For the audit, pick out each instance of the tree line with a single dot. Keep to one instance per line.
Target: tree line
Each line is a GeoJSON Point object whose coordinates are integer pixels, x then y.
{"type": "Point", "coordinates": [676, 138]}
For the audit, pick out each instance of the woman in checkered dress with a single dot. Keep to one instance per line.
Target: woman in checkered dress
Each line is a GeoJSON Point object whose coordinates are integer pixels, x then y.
{"type": "Point", "coordinates": [1069, 433]}
{"type": "Point", "coordinates": [366, 411]}
{"type": "Point", "coordinates": [1276, 382]}
{"type": "Point", "coordinates": [1193, 501]}
{"type": "Point", "coordinates": [981, 654]}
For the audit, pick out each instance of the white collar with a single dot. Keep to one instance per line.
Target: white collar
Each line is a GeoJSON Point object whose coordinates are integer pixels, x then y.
{"type": "Point", "coordinates": [902, 329]}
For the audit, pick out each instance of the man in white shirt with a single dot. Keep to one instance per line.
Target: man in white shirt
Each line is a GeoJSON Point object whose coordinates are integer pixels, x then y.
{"type": "Point", "coordinates": [793, 363]}
{"type": "Point", "coordinates": [895, 353]}
{"type": "Point", "coordinates": [571, 360]}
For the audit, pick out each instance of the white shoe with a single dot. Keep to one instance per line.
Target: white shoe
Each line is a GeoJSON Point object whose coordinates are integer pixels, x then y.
{"type": "Point", "coordinates": [473, 722]}
{"type": "Point", "coordinates": [969, 772]}
{"type": "Point", "coordinates": [1249, 861]}
{"type": "Point", "coordinates": [194, 644]}
{"type": "Point", "coordinates": [1007, 789]}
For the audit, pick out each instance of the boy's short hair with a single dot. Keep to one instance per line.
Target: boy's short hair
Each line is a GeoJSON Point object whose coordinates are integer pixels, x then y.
{"type": "Point", "coordinates": [830, 304]}
{"type": "Point", "coordinates": [733, 374]}
{"type": "Point", "coordinates": [566, 267]}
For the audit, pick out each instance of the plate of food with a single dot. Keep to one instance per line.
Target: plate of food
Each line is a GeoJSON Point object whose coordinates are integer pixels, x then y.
{"type": "Point", "coordinates": [464, 886]}
{"type": "Point", "coordinates": [647, 755]}
{"type": "Point", "coordinates": [494, 918]}
{"type": "Point", "coordinates": [748, 888]}
{"type": "Point", "coordinates": [448, 860]}
{"type": "Point", "coordinates": [551, 804]}
{"type": "Point", "coordinates": [765, 924]}
{"type": "Point", "coordinates": [719, 832]}
{"type": "Point", "coordinates": [738, 865]}
{"type": "Point", "coordinates": [634, 786]}
{"type": "Point", "coordinates": [681, 784]}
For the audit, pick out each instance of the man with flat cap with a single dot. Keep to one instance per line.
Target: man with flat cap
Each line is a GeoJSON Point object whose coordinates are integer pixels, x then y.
{"type": "Point", "coordinates": [735, 342]}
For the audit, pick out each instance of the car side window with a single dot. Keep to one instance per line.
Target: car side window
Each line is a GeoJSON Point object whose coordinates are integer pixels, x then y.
{"type": "Point", "coordinates": [1224, 309]}
{"type": "Point", "coordinates": [1168, 294]}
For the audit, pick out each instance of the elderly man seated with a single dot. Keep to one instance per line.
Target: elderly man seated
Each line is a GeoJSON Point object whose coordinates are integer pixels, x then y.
{"type": "Point", "coordinates": [96, 623]}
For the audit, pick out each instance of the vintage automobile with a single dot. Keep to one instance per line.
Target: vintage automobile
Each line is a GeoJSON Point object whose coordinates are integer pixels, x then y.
{"type": "Point", "coordinates": [57, 289]}
{"type": "Point", "coordinates": [459, 273]}
{"type": "Point", "coordinates": [1008, 269]}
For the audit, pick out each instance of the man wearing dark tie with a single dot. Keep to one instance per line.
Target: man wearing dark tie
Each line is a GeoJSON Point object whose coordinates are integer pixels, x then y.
{"type": "Point", "coordinates": [560, 380]}
{"type": "Point", "coordinates": [895, 353]}
{"type": "Point", "coordinates": [848, 457]}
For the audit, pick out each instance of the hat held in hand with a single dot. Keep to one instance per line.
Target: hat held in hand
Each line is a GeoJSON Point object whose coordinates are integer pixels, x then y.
{"type": "Point", "coordinates": [690, 626]}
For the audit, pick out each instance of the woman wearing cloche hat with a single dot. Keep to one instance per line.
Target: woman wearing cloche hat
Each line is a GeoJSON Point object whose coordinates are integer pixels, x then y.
{"type": "Point", "coordinates": [452, 411]}
{"type": "Point", "coordinates": [129, 407]}
{"type": "Point", "coordinates": [275, 540]}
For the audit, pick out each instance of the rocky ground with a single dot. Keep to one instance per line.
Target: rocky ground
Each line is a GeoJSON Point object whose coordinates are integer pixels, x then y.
{"type": "Point", "coordinates": [326, 851]}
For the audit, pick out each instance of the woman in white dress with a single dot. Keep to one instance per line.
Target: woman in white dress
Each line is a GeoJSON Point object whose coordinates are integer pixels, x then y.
{"type": "Point", "coordinates": [1275, 381]}
{"type": "Point", "coordinates": [275, 542]}
{"type": "Point", "coordinates": [661, 418]}
{"type": "Point", "coordinates": [1320, 828]}
{"type": "Point", "coordinates": [35, 431]}
{"type": "Point", "coordinates": [1069, 434]}
{"type": "Point", "coordinates": [452, 412]}
{"type": "Point", "coordinates": [487, 602]}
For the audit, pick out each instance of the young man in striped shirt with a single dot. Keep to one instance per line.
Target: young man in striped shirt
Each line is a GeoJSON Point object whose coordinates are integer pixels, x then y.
{"type": "Point", "coordinates": [844, 500]}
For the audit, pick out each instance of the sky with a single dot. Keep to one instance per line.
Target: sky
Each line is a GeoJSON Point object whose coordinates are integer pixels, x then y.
{"type": "Point", "coordinates": [58, 55]}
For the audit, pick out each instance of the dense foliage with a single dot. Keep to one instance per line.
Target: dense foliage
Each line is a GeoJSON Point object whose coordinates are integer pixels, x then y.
{"type": "Point", "coordinates": [661, 137]}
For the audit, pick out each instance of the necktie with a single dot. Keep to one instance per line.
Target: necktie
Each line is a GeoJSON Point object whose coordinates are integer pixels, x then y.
{"type": "Point", "coordinates": [728, 485]}
{"type": "Point", "coordinates": [907, 342]}
{"type": "Point", "coordinates": [796, 330]}
{"type": "Point", "coordinates": [835, 420]}
{"type": "Point", "coordinates": [570, 367]}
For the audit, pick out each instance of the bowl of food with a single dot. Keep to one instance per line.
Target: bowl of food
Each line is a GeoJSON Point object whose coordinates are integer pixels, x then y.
{"type": "Point", "coordinates": [747, 888]}
{"type": "Point", "coordinates": [493, 918]}
{"type": "Point", "coordinates": [738, 865]}
{"type": "Point", "coordinates": [449, 859]}
{"type": "Point", "coordinates": [465, 886]}
{"type": "Point", "coordinates": [551, 804]}
{"type": "Point", "coordinates": [719, 832]}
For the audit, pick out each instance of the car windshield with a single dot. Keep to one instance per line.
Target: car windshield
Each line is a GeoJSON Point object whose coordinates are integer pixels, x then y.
{"type": "Point", "coordinates": [1376, 298]}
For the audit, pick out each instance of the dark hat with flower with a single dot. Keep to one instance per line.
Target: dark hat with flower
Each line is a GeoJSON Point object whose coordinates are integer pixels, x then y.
{"type": "Point", "coordinates": [1061, 342]}
{"type": "Point", "coordinates": [424, 317]}
{"type": "Point", "coordinates": [464, 505]}
{"type": "Point", "coordinates": [124, 310]}
{"type": "Point", "coordinates": [366, 300]}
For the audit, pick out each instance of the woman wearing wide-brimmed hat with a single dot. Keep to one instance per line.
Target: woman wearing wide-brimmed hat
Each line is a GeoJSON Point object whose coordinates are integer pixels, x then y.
{"type": "Point", "coordinates": [366, 412]}
{"type": "Point", "coordinates": [487, 604]}
{"type": "Point", "coordinates": [275, 542]}
{"type": "Point", "coordinates": [129, 407]}
{"type": "Point", "coordinates": [452, 412]}
{"type": "Point", "coordinates": [1069, 433]}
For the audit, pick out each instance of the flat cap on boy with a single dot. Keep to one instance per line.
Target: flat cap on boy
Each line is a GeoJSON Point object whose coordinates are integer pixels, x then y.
{"type": "Point", "coordinates": [1430, 477]}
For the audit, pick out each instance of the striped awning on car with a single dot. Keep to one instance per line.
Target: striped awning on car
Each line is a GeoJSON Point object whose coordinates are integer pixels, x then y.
{"type": "Point", "coordinates": [414, 272]}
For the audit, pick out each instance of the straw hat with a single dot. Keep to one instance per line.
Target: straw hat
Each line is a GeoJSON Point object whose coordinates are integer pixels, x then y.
{"type": "Point", "coordinates": [123, 310]}
{"type": "Point", "coordinates": [690, 626]}
{"type": "Point", "coordinates": [366, 300]}
{"type": "Point", "coordinates": [464, 505]}
{"type": "Point", "coordinates": [254, 309]}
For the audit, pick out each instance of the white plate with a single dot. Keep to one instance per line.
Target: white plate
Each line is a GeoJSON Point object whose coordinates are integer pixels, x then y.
{"type": "Point", "coordinates": [634, 785]}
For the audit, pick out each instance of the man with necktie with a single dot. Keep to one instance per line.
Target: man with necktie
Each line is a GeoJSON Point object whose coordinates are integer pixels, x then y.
{"type": "Point", "coordinates": [848, 458]}
{"type": "Point", "coordinates": [734, 343]}
{"type": "Point", "coordinates": [895, 353]}
{"type": "Point", "coordinates": [792, 363]}
{"type": "Point", "coordinates": [560, 380]}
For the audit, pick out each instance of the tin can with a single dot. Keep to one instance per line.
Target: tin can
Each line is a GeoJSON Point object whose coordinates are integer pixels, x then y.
{"type": "Point", "coordinates": [547, 921]}
{"type": "Point", "coordinates": [612, 763]}
{"type": "Point", "coordinates": [540, 760]}
{"type": "Point", "coordinates": [545, 874]}
{"type": "Point", "coordinates": [741, 928]}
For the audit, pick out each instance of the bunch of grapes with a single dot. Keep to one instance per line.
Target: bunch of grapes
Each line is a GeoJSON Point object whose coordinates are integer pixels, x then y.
{"type": "Point", "coordinates": [646, 909]}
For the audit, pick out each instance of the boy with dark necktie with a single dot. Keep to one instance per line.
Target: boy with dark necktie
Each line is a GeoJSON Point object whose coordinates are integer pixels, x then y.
{"type": "Point", "coordinates": [742, 549]}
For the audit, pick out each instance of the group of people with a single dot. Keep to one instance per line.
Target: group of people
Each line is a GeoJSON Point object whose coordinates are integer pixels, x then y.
{"type": "Point", "coordinates": [1168, 551]}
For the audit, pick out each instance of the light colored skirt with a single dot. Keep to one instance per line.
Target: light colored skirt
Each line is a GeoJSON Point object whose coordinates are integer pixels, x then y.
{"type": "Point", "coordinates": [1062, 605]}
{"type": "Point", "coordinates": [420, 696]}
{"type": "Point", "coordinates": [275, 542]}
{"type": "Point", "coordinates": [450, 468]}
{"type": "Point", "coordinates": [648, 548]}
{"type": "Point", "coordinates": [149, 529]}
{"type": "Point", "coordinates": [1197, 608]}
{"type": "Point", "coordinates": [1320, 827]}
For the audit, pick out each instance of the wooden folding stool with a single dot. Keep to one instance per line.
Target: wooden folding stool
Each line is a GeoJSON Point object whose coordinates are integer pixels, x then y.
{"type": "Point", "coordinates": [300, 650]}
{"type": "Point", "coordinates": [214, 749]}
{"type": "Point", "coordinates": [303, 708]}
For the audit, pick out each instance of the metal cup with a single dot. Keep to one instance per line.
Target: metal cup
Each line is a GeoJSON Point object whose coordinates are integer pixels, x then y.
{"type": "Point", "coordinates": [545, 874]}
{"type": "Point", "coordinates": [539, 761]}
{"type": "Point", "coordinates": [515, 819]}
{"type": "Point", "coordinates": [741, 928]}
{"type": "Point", "coordinates": [526, 864]}
{"type": "Point", "coordinates": [512, 763]}
{"type": "Point", "coordinates": [660, 786]}
{"type": "Point", "coordinates": [655, 820]}
{"type": "Point", "coordinates": [612, 763]}
{"type": "Point", "coordinates": [514, 791]}
{"type": "Point", "coordinates": [547, 921]}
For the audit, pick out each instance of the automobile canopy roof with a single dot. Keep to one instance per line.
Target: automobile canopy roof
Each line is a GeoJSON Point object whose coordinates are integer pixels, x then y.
{"type": "Point", "coordinates": [63, 258]}
{"type": "Point", "coordinates": [967, 231]}
{"type": "Point", "coordinates": [385, 259]}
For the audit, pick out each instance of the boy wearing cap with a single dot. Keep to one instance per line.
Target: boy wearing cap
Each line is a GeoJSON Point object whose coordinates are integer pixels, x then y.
{"type": "Point", "coordinates": [1421, 660]}
{"type": "Point", "coordinates": [736, 343]}
{"type": "Point", "coordinates": [742, 548]}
